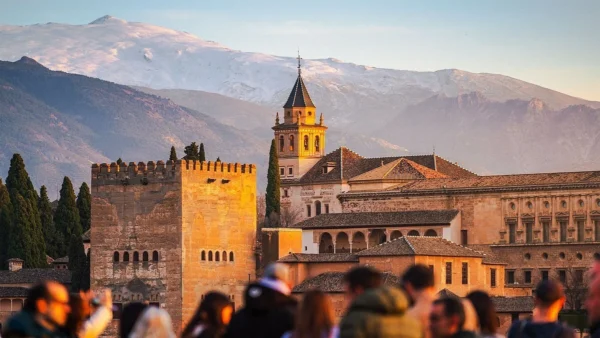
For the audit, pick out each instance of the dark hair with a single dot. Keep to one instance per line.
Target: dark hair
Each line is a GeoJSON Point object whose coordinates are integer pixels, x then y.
{"type": "Point", "coordinates": [419, 276]}
{"type": "Point", "coordinates": [37, 292]}
{"type": "Point", "coordinates": [315, 316]}
{"type": "Point", "coordinates": [80, 311]}
{"type": "Point", "coordinates": [452, 307]}
{"type": "Point", "coordinates": [208, 313]}
{"type": "Point", "coordinates": [363, 277]}
{"type": "Point", "coordinates": [548, 291]}
{"type": "Point", "coordinates": [486, 311]}
{"type": "Point", "coordinates": [131, 313]}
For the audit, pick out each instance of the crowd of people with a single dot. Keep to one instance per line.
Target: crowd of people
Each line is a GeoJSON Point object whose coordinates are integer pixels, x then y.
{"type": "Point", "coordinates": [408, 310]}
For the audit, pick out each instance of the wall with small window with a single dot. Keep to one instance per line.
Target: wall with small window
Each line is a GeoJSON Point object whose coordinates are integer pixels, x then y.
{"type": "Point", "coordinates": [214, 256]}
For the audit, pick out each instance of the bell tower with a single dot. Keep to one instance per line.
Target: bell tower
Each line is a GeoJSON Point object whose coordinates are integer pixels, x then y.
{"type": "Point", "coordinates": [300, 137]}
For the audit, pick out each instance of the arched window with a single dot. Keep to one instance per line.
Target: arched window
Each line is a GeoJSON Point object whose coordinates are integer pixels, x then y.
{"type": "Point", "coordinates": [210, 256]}
{"type": "Point", "coordinates": [430, 233]}
{"type": "Point", "coordinates": [414, 233]}
{"type": "Point", "coordinates": [305, 142]}
{"type": "Point", "coordinates": [126, 257]}
{"type": "Point", "coordinates": [116, 257]}
{"type": "Point", "coordinates": [317, 208]}
{"type": "Point", "coordinates": [231, 256]}
{"type": "Point", "coordinates": [217, 256]}
{"type": "Point", "coordinates": [136, 256]}
{"type": "Point", "coordinates": [224, 256]}
{"type": "Point", "coordinates": [145, 256]}
{"type": "Point", "coordinates": [291, 142]}
{"type": "Point", "coordinates": [317, 144]}
{"type": "Point", "coordinates": [155, 256]}
{"type": "Point", "coordinates": [203, 255]}
{"type": "Point", "coordinates": [281, 143]}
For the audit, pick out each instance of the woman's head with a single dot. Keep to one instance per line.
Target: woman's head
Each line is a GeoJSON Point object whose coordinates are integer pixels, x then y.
{"type": "Point", "coordinates": [80, 311]}
{"type": "Point", "coordinates": [154, 323]}
{"type": "Point", "coordinates": [486, 311]}
{"type": "Point", "coordinates": [214, 312]}
{"type": "Point", "coordinates": [315, 316]}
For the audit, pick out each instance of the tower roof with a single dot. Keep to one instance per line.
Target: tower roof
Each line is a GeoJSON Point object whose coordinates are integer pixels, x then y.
{"type": "Point", "coordinates": [299, 96]}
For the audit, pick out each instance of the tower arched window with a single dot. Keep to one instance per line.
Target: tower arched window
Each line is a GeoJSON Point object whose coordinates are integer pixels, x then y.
{"type": "Point", "coordinates": [317, 144]}
{"type": "Point", "coordinates": [224, 256]}
{"type": "Point", "coordinates": [281, 143]}
{"type": "Point", "coordinates": [136, 256]}
{"type": "Point", "coordinates": [217, 256]}
{"type": "Point", "coordinates": [203, 255]}
{"type": "Point", "coordinates": [145, 256]}
{"type": "Point", "coordinates": [305, 142]}
{"type": "Point", "coordinates": [210, 256]}
{"type": "Point", "coordinates": [116, 257]}
{"type": "Point", "coordinates": [155, 256]}
{"type": "Point", "coordinates": [126, 257]}
{"type": "Point", "coordinates": [291, 142]}
{"type": "Point", "coordinates": [231, 256]}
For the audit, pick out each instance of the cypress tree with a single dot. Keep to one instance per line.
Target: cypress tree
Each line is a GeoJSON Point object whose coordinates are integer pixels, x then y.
{"type": "Point", "coordinates": [19, 245]}
{"type": "Point", "coordinates": [51, 236]}
{"type": "Point", "coordinates": [5, 223]}
{"type": "Point", "coordinates": [84, 205]}
{"type": "Point", "coordinates": [19, 186]}
{"type": "Point", "coordinates": [66, 217]}
{"type": "Point", "coordinates": [77, 261]}
{"type": "Point", "coordinates": [273, 203]}
{"type": "Point", "coordinates": [191, 152]}
{"type": "Point", "coordinates": [173, 154]}
{"type": "Point", "coordinates": [201, 154]}
{"type": "Point", "coordinates": [119, 161]}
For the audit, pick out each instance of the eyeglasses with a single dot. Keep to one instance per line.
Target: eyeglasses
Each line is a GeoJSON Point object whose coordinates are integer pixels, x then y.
{"type": "Point", "coordinates": [54, 300]}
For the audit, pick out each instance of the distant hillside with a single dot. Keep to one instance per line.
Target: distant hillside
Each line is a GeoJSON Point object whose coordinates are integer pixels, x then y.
{"type": "Point", "coordinates": [61, 123]}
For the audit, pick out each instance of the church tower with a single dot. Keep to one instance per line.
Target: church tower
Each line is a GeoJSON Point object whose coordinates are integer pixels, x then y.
{"type": "Point", "coordinates": [300, 137]}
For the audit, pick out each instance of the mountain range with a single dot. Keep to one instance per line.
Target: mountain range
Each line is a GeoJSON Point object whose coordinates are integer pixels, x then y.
{"type": "Point", "coordinates": [489, 123]}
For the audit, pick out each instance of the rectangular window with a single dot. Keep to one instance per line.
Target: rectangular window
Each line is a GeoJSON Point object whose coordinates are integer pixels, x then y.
{"type": "Point", "coordinates": [290, 171]}
{"type": "Point", "coordinates": [528, 232]}
{"type": "Point", "coordinates": [512, 232]}
{"type": "Point", "coordinates": [563, 231]}
{"type": "Point", "coordinates": [448, 272]}
{"type": "Point", "coordinates": [282, 171]}
{"type": "Point", "coordinates": [597, 230]}
{"type": "Point", "coordinates": [493, 278]}
{"type": "Point", "coordinates": [465, 273]}
{"type": "Point", "coordinates": [285, 193]}
{"type": "Point", "coordinates": [527, 275]}
{"type": "Point", "coordinates": [326, 208]}
{"type": "Point", "coordinates": [510, 277]}
{"type": "Point", "coordinates": [580, 231]}
{"type": "Point", "coordinates": [308, 211]}
{"type": "Point", "coordinates": [464, 239]}
{"type": "Point", "coordinates": [155, 304]}
{"type": "Point", "coordinates": [578, 277]}
{"type": "Point", "coordinates": [546, 231]}
{"type": "Point", "coordinates": [562, 276]}
{"type": "Point", "coordinates": [514, 317]}
{"type": "Point", "coordinates": [544, 274]}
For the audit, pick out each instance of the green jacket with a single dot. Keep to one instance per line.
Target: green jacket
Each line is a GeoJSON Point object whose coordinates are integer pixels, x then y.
{"type": "Point", "coordinates": [380, 313]}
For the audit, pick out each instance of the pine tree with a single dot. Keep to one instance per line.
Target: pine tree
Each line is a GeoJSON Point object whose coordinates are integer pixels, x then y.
{"type": "Point", "coordinates": [77, 262]}
{"type": "Point", "coordinates": [51, 236]}
{"type": "Point", "coordinates": [66, 216]}
{"type": "Point", "coordinates": [201, 154]}
{"type": "Point", "coordinates": [86, 278]}
{"type": "Point", "coordinates": [191, 152]}
{"type": "Point", "coordinates": [173, 154]}
{"type": "Point", "coordinates": [5, 224]}
{"type": "Point", "coordinates": [84, 205]}
{"type": "Point", "coordinates": [273, 203]}
{"type": "Point", "coordinates": [19, 186]}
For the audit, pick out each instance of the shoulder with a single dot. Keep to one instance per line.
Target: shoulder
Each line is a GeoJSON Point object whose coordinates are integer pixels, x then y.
{"type": "Point", "coordinates": [515, 328]}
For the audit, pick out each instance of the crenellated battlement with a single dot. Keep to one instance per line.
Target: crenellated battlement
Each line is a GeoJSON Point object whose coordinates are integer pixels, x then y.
{"type": "Point", "coordinates": [160, 171]}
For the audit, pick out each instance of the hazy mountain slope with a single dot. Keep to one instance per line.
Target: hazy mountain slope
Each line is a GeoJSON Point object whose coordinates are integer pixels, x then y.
{"type": "Point", "coordinates": [515, 136]}
{"type": "Point", "coordinates": [61, 123]}
{"type": "Point", "coordinates": [354, 97]}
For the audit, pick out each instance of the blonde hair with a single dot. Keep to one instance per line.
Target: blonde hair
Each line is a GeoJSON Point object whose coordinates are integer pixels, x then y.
{"type": "Point", "coordinates": [471, 321]}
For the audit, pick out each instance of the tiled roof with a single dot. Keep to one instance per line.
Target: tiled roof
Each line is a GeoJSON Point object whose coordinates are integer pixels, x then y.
{"type": "Point", "coordinates": [321, 257]}
{"type": "Point", "coordinates": [400, 169]}
{"type": "Point", "coordinates": [349, 164]}
{"type": "Point", "coordinates": [420, 246]}
{"type": "Point", "coordinates": [446, 293]}
{"type": "Point", "coordinates": [86, 235]}
{"type": "Point", "coordinates": [334, 282]}
{"type": "Point", "coordinates": [12, 291]}
{"type": "Point", "coordinates": [513, 304]}
{"type": "Point", "coordinates": [489, 257]}
{"type": "Point", "coordinates": [32, 276]}
{"type": "Point", "coordinates": [299, 96]}
{"type": "Point", "coordinates": [61, 260]}
{"type": "Point", "coordinates": [367, 219]}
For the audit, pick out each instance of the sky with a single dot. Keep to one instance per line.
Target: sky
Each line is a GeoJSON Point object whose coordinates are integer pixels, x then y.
{"type": "Point", "coordinates": [555, 44]}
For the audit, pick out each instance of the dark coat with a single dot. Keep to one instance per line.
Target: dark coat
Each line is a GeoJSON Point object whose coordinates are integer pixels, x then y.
{"type": "Point", "coordinates": [267, 314]}
{"type": "Point", "coordinates": [23, 324]}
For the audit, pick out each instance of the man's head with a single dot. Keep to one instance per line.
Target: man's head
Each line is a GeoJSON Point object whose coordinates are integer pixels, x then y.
{"type": "Point", "coordinates": [549, 297]}
{"type": "Point", "coordinates": [277, 271]}
{"type": "Point", "coordinates": [360, 279]}
{"type": "Point", "coordinates": [418, 279]}
{"type": "Point", "coordinates": [592, 302]}
{"type": "Point", "coordinates": [50, 301]}
{"type": "Point", "coordinates": [447, 317]}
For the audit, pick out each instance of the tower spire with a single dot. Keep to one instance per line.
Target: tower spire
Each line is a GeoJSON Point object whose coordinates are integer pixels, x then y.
{"type": "Point", "coordinates": [299, 65]}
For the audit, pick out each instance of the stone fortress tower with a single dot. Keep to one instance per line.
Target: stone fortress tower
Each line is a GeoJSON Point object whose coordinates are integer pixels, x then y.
{"type": "Point", "coordinates": [167, 233]}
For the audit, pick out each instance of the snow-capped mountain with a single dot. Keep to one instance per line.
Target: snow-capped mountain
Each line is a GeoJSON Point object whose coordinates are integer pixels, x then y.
{"type": "Point", "coordinates": [351, 96]}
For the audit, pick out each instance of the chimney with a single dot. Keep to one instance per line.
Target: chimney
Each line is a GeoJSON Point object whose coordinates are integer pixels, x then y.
{"type": "Point", "coordinates": [15, 264]}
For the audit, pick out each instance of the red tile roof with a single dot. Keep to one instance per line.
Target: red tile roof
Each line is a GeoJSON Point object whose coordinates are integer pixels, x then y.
{"type": "Point", "coordinates": [420, 246]}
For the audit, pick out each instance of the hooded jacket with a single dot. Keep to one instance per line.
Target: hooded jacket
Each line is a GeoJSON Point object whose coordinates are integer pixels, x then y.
{"type": "Point", "coordinates": [268, 312]}
{"type": "Point", "coordinates": [380, 313]}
